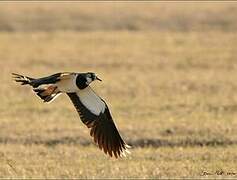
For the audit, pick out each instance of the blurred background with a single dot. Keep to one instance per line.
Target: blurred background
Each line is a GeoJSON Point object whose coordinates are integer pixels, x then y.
{"type": "Point", "coordinates": [169, 78]}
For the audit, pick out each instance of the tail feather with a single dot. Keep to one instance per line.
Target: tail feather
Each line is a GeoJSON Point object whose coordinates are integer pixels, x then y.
{"type": "Point", "coordinates": [22, 79]}
{"type": "Point", "coordinates": [47, 93]}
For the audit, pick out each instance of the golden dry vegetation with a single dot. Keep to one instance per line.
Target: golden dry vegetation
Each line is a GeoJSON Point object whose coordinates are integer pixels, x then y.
{"type": "Point", "coordinates": [171, 87]}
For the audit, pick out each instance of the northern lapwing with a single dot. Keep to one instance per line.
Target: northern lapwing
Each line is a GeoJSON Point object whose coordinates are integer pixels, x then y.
{"type": "Point", "coordinates": [92, 109]}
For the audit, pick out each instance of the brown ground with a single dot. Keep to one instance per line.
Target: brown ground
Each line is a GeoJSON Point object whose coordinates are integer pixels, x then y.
{"type": "Point", "coordinates": [171, 89]}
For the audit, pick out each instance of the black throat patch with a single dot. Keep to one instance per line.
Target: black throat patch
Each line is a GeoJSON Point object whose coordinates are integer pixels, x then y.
{"type": "Point", "coordinates": [81, 81]}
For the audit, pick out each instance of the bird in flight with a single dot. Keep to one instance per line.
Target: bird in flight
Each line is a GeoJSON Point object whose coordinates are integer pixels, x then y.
{"type": "Point", "coordinates": [92, 109]}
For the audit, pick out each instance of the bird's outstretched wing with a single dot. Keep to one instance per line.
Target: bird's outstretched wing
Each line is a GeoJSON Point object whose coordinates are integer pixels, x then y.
{"type": "Point", "coordinates": [95, 114]}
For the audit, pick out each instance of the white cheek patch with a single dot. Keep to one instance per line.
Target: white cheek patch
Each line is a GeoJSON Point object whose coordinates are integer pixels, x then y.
{"type": "Point", "coordinates": [91, 101]}
{"type": "Point", "coordinates": [88, 80]}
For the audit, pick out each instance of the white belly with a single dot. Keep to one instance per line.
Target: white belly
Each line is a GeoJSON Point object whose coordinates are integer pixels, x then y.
{"type": "Point", "coordinates": [67, 85]}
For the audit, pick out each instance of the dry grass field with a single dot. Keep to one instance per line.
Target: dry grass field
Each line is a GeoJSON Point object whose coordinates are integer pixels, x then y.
{"type": "Point", "coordinates": [170, 82]}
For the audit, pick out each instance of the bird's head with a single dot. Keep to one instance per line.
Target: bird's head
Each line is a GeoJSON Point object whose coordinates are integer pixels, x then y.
{"type": "Point", "coordinates": [90, 76]}
{"type": "Point", "coordinates": [84, 79]}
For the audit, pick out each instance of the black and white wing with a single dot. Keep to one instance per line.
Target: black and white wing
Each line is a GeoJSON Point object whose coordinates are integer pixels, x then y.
{"type": "Point", "coordinates": [95, 114]}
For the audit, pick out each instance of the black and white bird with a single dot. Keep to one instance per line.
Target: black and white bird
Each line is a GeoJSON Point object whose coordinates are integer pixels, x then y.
{"type": "Point", "coordinates": [92, 109]}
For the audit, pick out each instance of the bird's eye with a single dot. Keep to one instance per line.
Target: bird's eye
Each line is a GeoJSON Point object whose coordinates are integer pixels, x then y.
{"type": "Point", "coordinates": [93, 76]}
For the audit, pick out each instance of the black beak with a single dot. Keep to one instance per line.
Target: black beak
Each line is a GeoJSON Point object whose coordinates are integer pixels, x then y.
{"type": "Point", "coordinates": [98, 78]}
